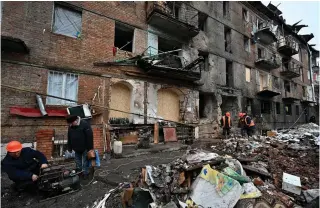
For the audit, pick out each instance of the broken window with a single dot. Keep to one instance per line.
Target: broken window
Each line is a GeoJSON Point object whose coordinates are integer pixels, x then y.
{"type": "Point", "coordinates": [248, 74]}
{"type": "Point", "coordinates": [249, 106]}
{"type": "Point", "coordinates": [276, 82]}
{"type": "Point", "coordinates": [64, 85]}
{"type": "Point", "coordinates": [225, 8]}
{"type": "Point", "coordinates": [287, 85]}
{"type": "Point", "coordinates": [288, 109]}
{"type": "Point", "coordinates": [67, 21]}
{"type": "Point", "coordinates": [227, 39]}
{"type": "Point", "coordinates": [205, 64]}
{"type": "Point", "coordinates": [246, 43]}
{"type": "Point", "coordinates": [229, 74]}
{"type": "Point", "coordinates": [245, 15]}
{"type": "Point", "coordinates": [123, 38]}
{"type": "Point", "coordinates": [297, 110]}
{"type": "Point", "coordinates": [260, 53]}
{"type": "Point", "coordinates": [265, 107]}
{"type": "Point", "coordinates": [277, 107]}
{"type": "Point", "coordinates": [304, 91]}
{"type": "Point", "coordinates": [202, 21]}
{"type": "Point", "coordinates": [165, 45]}
{"type": "Point", "coordinates": [202, 112]}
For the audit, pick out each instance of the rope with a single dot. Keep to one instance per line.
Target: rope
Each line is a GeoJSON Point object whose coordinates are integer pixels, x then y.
{"type": "Point", "coordinates": [297, 119]}
{"type": "Point", "coordinates": [94, 105]}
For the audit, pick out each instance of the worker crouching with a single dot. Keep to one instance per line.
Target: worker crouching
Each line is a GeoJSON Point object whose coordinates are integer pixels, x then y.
{"type": "Point", "coordinates": [226, 124]}
{"type": "Point", "coordinates": [249, 124]}
{"type": "Point", "coordinates": [23, 165]}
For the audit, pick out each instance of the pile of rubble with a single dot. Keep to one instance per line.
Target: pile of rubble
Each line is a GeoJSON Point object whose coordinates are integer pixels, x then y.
{"type": "Point", "coordinates": [256, 172]}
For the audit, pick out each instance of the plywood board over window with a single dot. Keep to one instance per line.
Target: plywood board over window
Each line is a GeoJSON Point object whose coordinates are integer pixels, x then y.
{"type": "Point", "coordinates": [248, 74]}
{"type": "Point", "coordinates": [120, 100]}
{"type": "Point", "coordinates": [168, 104]}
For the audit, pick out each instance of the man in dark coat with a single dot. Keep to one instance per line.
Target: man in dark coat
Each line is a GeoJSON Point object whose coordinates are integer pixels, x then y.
{"type": "Point", "coordinates": [23, 165]}
{"type": "Point", "coordinates": [226, 123]}
{"type": "Point", "coordinates": [80, 139]}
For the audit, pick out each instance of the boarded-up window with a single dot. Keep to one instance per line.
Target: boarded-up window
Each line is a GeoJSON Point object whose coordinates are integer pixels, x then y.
{"type": "Point", "coordinates": [67, 21]}
{"type": "Point", "coordinates": [120, 100]}
{"type": "Point", "coordinates": [168, 105]}
{"type": "Point", "coordinates": [248, 74]}
{"type": "Point", "coordinates": [64, 85]}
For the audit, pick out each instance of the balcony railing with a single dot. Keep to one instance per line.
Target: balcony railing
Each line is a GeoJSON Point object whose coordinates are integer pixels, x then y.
{"type": "Point", "coordinates": [269, 88]}
{"type": "Point", "coordinates": [288, 46]}
{"type": "Point", "coordinates": [271, 61]}
{"type": "Point", "coordinates": [175, 18]}
{"type": "Point", "coordinates": [265, 34]}
{"type": "Point", "coordinates": [169, 65]}
{"type": "Point", "coordinates": [291, 70]}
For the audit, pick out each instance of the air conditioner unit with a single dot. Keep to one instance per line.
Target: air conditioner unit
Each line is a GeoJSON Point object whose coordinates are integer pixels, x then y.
{"type": "Point", "coordinates": [82, 111]}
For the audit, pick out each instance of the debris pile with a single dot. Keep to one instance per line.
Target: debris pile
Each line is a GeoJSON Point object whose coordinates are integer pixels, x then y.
{"type": "Point", "coordinates": [144, 138]}
{"type": "Point", "coordinates": [257, 172]}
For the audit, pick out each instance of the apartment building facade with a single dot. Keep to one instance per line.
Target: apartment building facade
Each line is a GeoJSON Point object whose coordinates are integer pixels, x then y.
{"type": "Point", "coordinates": [187, 62]}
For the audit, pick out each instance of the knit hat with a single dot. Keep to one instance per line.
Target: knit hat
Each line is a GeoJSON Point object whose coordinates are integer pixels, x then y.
{"type": "Point", "coordinates": [71, 118]}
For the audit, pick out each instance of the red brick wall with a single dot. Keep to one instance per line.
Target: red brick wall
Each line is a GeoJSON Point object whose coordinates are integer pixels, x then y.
{"type": "Point", "coordinates": [26, 20]}
{"type": "Point", "coordinates": [44, 142]}
{"type": "Point", "coordinates": [98, 140]}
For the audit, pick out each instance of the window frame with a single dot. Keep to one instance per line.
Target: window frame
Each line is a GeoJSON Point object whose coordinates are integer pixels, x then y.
{"type": "Point", "coordinates": [63, 88]}
{"type": "Point", "coordinates": [246, 39]}
{"type": "Point", "coordinates": [66, 7]}
{"type": "Point", "coordinates": [289, 113]}
{"type": "Point", "coordinates": [263, 110]}
{"type": "Point", "coordinates": [278, 108]}
{"type": "Point", "coordinates": [297, 110]}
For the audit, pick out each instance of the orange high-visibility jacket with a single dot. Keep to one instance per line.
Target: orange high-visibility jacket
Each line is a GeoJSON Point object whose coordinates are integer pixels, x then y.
{"type": "Point", "coordinates": [224, 121]}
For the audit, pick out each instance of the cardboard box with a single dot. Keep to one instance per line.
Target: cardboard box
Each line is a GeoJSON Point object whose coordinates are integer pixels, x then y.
{"type": "Point", "coordinates": [291, 183]}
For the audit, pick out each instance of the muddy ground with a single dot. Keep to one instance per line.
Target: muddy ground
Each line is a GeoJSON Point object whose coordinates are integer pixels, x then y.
{"type": "Point", "coordinates": [106, 177]}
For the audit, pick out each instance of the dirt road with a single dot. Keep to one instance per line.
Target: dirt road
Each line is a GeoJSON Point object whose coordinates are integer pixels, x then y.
{"type": "Point", "coordinates": [106, 177]}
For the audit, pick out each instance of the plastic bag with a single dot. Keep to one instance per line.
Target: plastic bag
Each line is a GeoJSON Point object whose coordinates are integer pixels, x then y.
{"type": "Point", "coordinates": [233, 174]}
{"type": "Point", "coordinates": [68, 154]}
{"type": "Point", "coordinates": [97, 160]}
{"type": "Point", "coordinates": [250, 191]}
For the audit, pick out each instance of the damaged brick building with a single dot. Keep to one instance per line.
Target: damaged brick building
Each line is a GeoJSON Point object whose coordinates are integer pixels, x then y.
{"type": "Point", "coordinates": [187, 62]}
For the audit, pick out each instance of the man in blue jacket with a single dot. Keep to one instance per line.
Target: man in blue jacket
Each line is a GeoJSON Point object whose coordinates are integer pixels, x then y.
{"type": "Point", "coordinates": [80, 139]}
{"type": "Point", "coordinates": [23, 164]}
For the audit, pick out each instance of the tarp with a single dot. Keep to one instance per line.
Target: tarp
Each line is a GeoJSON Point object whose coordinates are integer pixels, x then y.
{"type": "Point", "coordinates": [211, 184]}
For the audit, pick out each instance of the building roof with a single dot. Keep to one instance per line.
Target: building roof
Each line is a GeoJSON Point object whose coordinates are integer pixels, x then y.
{"type": "Point", "coordinates": [274, 15]}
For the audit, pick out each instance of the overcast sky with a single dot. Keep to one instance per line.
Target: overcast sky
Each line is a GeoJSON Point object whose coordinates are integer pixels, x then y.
{"type": "Point", "coordinates": [307, 11]}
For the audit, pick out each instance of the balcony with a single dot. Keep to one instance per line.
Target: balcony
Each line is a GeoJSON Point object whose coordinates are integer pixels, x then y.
{"type": "Point", "coordinates": [167, 65]}
{"type": "Point", "coordinates": [288, 46]}
{"type": "Point", "coordinates": [269, 87]}
{"type": "Point", "coordinates": [264, 33]}
{"type": "Point", "coordinates": [269, 62]}
{"type": "Point", "coordinates": [292, 96]}
{"type": "Point", "coordinates": [290, 69]}
{"type": "Point", "coordinates": [174, 18]}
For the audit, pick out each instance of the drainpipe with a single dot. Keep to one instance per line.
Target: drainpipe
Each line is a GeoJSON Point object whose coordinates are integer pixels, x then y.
{"type": "Point", "coordinates": [310, 70]}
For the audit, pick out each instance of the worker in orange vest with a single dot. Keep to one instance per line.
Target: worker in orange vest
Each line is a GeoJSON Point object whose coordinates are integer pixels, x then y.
{"type": "Point", "coordinates": [249, 124]}
{"type": "Point", "coordinates": [226, 123]}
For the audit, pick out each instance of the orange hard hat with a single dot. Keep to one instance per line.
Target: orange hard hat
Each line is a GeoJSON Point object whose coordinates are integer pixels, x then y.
{"type": "Point", "coordinates": [14, 146]}
{"type": "Point", "coordinates": [227, 114]}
